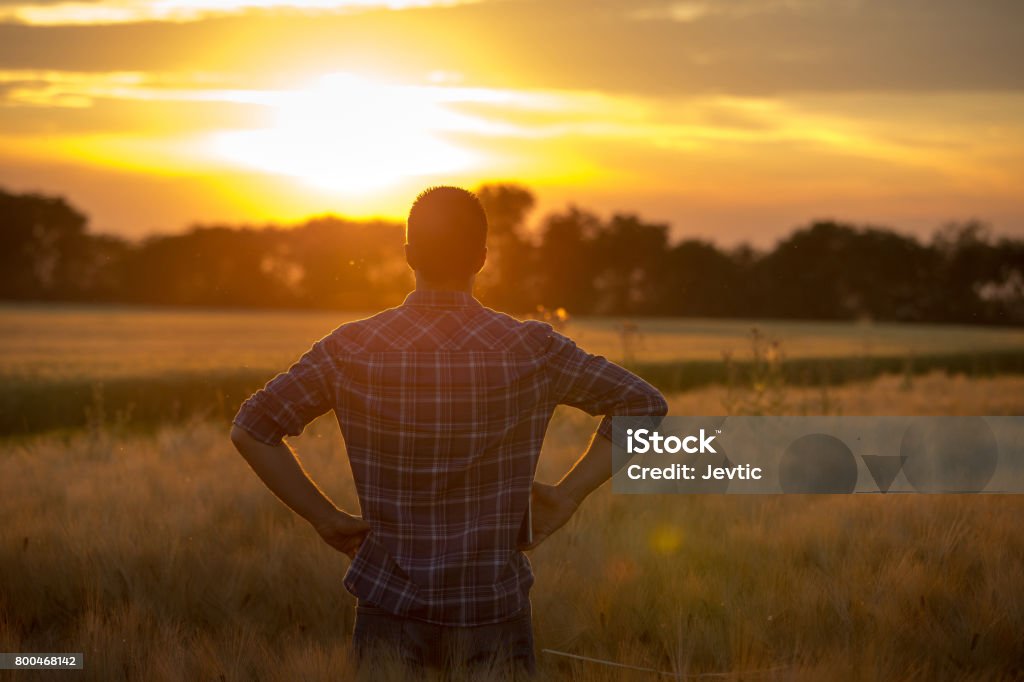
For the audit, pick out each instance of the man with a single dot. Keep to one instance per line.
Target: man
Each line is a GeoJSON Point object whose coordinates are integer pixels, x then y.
{"type": "Point", "coordinates": [443, 404]}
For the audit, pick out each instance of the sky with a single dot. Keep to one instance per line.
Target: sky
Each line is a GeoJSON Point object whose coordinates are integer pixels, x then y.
{"type": "Point", "coordinates": [733, 120]}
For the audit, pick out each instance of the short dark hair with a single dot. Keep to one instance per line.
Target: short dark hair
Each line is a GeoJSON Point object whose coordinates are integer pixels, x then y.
{"type": "Point", "coordinates": [447, 229]}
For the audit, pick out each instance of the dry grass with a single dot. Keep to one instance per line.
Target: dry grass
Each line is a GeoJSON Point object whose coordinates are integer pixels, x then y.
{"type": "Point", "coordinates": [163, 558]}
{"type": "Point", "coordinates": [888, 395]}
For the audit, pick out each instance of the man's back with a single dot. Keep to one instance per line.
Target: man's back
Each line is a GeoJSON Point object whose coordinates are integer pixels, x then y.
{"type": "Point", "coordinates": [443, 405]}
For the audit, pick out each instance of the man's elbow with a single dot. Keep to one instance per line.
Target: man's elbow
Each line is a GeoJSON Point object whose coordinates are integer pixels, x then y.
{"type": "Point", "coordinates": [645, 403]}
{"type": "Point", "coordinates": [239, 437]}
{"type": "Point", "coordinates": [659, 406]}
{"type": "Point", "coordinates": [246, 441]}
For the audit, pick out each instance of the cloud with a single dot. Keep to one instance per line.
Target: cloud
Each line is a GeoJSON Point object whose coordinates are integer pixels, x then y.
{"type": "Point", "coordinates": [132, 118]}
{"type": "Point", "coordinates": [93, 12]}
{"type": "Point", "coordinates": [742, 48]}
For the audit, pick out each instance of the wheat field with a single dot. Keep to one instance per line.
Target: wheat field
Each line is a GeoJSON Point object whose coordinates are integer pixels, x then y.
{"type": "Point", "coordinates": [57, 342]}
{"type": "Point", "coordinates": [162, 557]}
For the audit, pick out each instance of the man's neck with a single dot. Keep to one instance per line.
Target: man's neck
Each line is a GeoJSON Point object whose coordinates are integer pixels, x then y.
{"type": "Point", "coordinates": [465, 286]}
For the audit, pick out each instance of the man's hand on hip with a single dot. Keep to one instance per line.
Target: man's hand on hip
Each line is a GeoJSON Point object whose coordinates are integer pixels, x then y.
{"type": "Point", "coordinates": [279, 468]}
{"type": "Point", "coordinates": [554, 505]}
{"type": "Point", "coordinates": [552, 509]}
{"type": "Point", "coordinates": [343, 532]}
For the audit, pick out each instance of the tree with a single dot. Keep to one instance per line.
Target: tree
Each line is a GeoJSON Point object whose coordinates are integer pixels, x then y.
{"type": "Point", "coordinates": [629, 255]}
{"type": "Point", "coordinates": [965, 260]}
{"type": "Point", "coordinates": [508, 279]}
{"type": "Point", "coordinates": [206, 266]}
{"type": "Point", "coordinates": [41, 237]}
{"type": "Point", "coordinates": [349, 265]}
{"type": "Point", "coordinates": [565, 260]}
{"type": "Point", "coordinates": [699, 280]}
{"type": "Point", "coordinates": [805, 276]}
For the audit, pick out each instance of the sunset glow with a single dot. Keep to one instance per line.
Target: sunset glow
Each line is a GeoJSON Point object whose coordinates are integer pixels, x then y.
{"type": "Point", "coordinates": [266, 110]}
{"type": "Point", "coordinates": [348, 135]}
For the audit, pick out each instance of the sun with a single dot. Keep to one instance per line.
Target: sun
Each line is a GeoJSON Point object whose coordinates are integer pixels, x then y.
{"type": "Point", "coordinates": [349, 134]}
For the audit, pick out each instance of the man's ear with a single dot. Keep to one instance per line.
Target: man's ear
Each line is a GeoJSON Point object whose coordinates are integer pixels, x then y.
{"type": "Point", "coordinates": [479, 265]}
{"type": "Point", "coordinates": [410, 256]}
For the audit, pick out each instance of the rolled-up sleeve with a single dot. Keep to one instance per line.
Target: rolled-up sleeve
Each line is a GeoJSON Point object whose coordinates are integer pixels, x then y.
{"type": "Point", "coordinates": [291, 400]}
{"type": "Point", "coordinates": [598, 386]}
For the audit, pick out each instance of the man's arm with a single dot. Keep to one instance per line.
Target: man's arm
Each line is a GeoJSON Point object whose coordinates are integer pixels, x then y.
{"type": "Point", "coordinates": [554, 505]}
{"type": "Point", "coordinates": [282, 408]}
{"type": "Point", "coordinates": [280, 469]}
{"type": "Point", "coordinates": [597, 386]}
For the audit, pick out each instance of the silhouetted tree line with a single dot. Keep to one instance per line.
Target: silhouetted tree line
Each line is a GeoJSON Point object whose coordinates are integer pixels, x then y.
{"type": "Point", "coordinates": [574, 259]}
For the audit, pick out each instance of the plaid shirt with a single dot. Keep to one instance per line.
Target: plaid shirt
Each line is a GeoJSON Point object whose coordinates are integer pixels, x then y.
{"type": "Point", "coordinates": [443, 404]}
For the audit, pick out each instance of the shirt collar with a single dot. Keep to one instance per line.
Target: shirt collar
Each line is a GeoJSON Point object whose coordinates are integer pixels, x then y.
{"type": "Point", "coordinates": [436, 298]}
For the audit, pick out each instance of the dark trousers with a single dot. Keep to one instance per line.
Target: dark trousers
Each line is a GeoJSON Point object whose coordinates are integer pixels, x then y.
{"type": "Point", "coordinates": [498, 647]}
